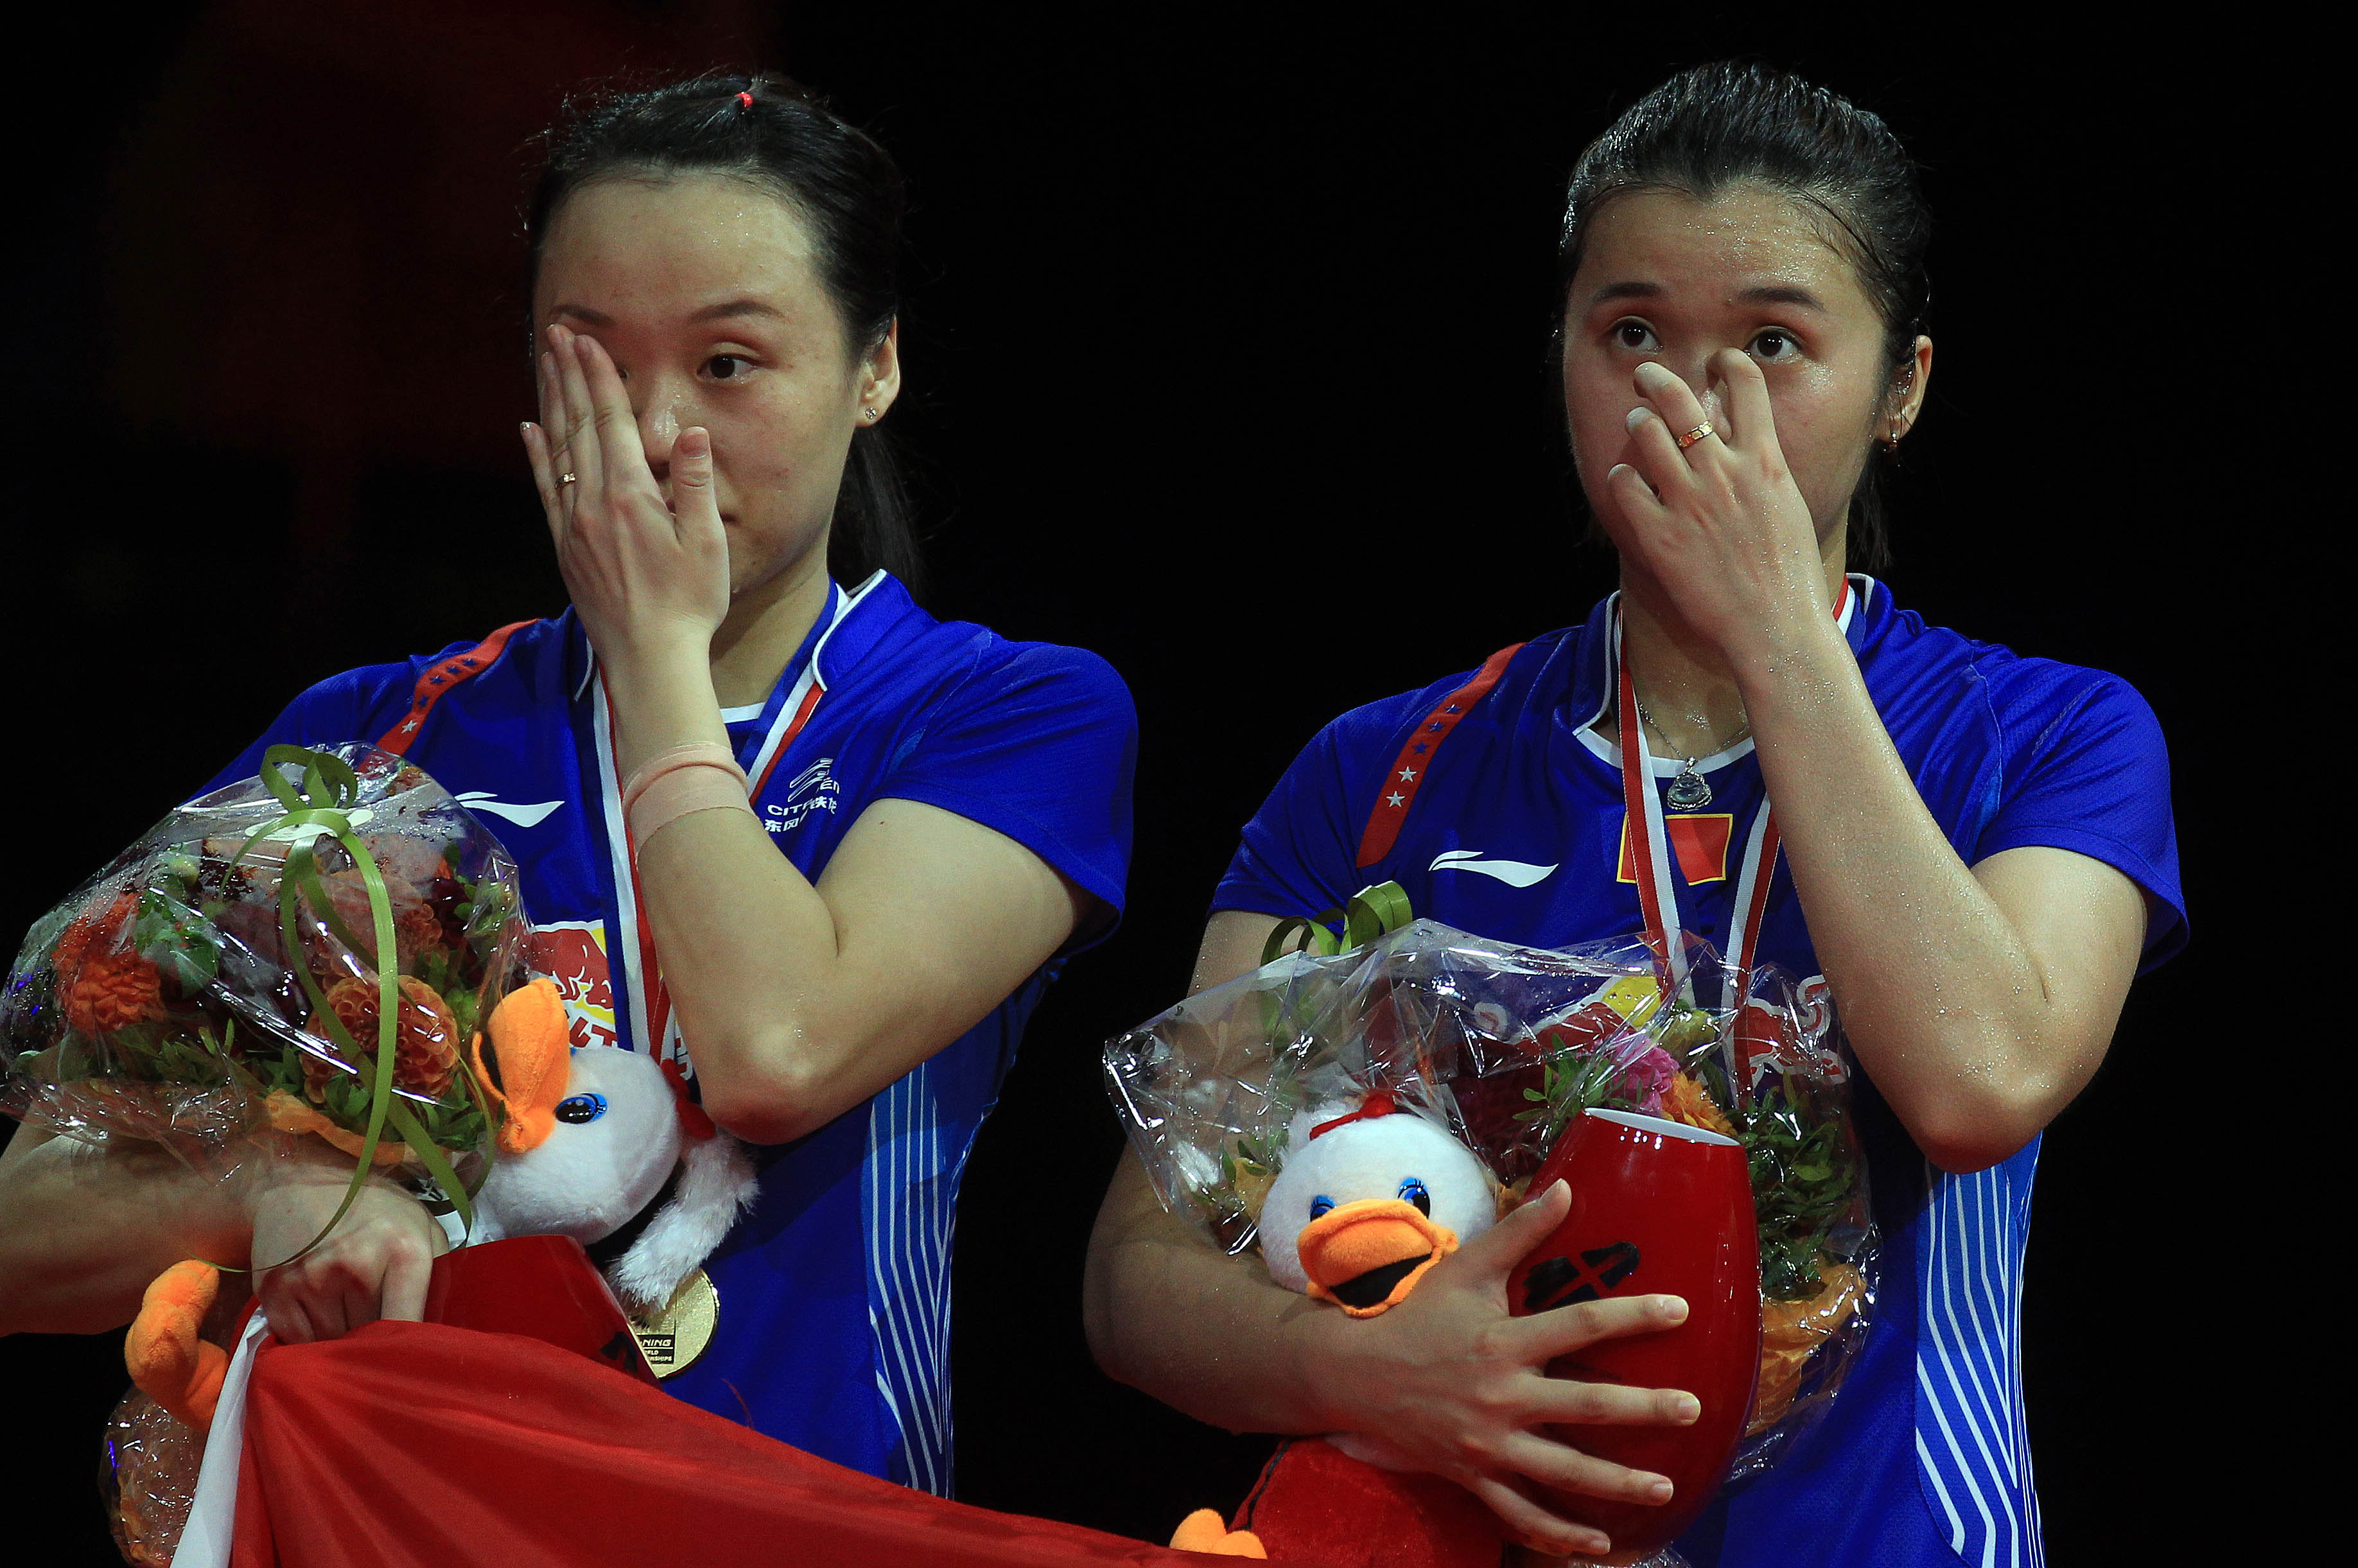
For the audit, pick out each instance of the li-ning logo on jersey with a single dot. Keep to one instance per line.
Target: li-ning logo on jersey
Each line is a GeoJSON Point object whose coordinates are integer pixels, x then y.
{"type": "Point", "coordinates": [1514, 873]}
{"type": "Point", "coordinates": [522, 815]}
{"type": "Point", "coordinates": [813, 789]}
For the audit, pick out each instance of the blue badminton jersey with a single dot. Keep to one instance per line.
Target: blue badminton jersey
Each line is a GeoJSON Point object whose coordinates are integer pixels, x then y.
{"type": "Point", "coordinates": [834, 1331]}
{"type": "Point", "coordinates": [1514, 829]}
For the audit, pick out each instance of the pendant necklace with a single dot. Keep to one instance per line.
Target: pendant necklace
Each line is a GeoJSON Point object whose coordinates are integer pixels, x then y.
{"type": "Point", "coordinates": [1689, 791]}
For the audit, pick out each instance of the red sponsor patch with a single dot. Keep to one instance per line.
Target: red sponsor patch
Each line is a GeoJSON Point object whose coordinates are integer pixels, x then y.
{"type": "Point", "coordinates": [573, 955]}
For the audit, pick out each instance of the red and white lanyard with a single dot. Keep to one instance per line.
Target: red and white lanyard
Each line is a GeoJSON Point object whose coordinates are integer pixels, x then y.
{"type": "Point", "coordinates": [1649, 840]}
{"type": "Point", "coordinates": [652, 1027]}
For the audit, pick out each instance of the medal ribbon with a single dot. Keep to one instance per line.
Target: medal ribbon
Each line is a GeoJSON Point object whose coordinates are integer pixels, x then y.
{"type": "Point", "coordinates": [652, 1028]}
{"type": "Point", "coordinates": [1650, 840]}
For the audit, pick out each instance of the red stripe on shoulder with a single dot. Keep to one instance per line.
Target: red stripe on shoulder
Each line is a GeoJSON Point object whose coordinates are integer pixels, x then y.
{"type": "Point", "coordinates": [439, 678]}
{"type": "Point", "coordinates": [1416, 756]}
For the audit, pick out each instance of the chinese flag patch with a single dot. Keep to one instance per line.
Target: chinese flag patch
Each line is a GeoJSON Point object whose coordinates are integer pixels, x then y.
{"type": "Point", "coordinates": [1698, 846]}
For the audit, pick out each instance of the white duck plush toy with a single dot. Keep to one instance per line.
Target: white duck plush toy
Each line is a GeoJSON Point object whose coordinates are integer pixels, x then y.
{"type": "Point", "coordinates": [1371, 1197]}
{"type": "Point", "coordinates": [595, 1139]}
{"type": "Point", "coordinates": [594, 1136]}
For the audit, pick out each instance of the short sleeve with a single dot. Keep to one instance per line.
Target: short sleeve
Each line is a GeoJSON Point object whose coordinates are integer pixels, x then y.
{"type": "Point", "coordinates": [1039, 745]}
{"type": "Point", "coordinates": [1300, 852]}
{"type": "Point", "coordinates": [2094, 779]}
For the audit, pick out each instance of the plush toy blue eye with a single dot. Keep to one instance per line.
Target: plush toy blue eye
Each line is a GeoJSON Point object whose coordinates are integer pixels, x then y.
{"type": "Point", "coordinates": [1320, 1205]}
{"type": "Point", "coordinates": [1412, 1191]}
{"type": "Point", "coordinates": [576, 1109]}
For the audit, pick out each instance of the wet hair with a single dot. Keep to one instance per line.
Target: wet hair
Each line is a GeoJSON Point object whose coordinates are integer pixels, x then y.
{"type": "Point", "coordinates": [771, 132]}
{"type": "Point", "coordinates": [1738, 122]}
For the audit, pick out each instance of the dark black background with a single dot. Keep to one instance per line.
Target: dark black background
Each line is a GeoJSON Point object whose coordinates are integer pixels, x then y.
{"type": "Point", "coordinates": [1225, 359]}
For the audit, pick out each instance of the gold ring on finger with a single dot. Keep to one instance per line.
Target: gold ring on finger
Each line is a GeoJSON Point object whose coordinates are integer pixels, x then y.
{"type": "Point", "coordinates": [566, 479]}
{"type": "Point", "coordinates": [1697, 434]}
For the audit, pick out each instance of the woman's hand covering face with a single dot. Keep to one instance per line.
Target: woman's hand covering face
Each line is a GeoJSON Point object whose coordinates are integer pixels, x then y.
{"type": "Point", "coordinates": [644, 562]}
{"type": "Point", "coordinates": [697, 381]}
{"type": "Point", "coordinates": [1721, 523]}
{"type": "Point", "coordinates": [1737, 312]}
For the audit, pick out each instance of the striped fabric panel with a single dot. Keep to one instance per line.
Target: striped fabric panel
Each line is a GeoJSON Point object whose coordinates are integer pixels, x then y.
{"type": "Point", "coordinates": [1972, 1445]}
{"type": "Point", "coordinates": [907, 1198]}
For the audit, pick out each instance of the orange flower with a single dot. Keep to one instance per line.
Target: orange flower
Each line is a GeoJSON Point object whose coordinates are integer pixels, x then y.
{"type": "Point", "coordinates": [1790, 1332]}
{"type": "Point", "coordinates": [102, 989]}
{"type": "Point", "coordinates": [1685, 1100]}
{"type": "Point", "coordinates": [425, 1041]}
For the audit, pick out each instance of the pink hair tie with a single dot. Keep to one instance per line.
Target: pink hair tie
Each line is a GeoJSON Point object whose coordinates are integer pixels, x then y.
{"type": "Point", "coordinates": [702, 777]}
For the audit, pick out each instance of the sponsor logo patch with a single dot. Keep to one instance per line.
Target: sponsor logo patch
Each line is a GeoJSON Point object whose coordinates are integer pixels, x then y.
{"type": "Point", "coordinates": [813, 789]}
{"type": "Point", "coordinates": [1514, 873]}
{"type": "Point", "coordinates": [573, 953]}
{"type": "Point", "coordinates": [522, 815]}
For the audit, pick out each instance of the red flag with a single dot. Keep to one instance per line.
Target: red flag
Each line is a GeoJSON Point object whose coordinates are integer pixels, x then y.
{"type": "Point", "coordinates": [1698, 846]}
{"type": "Point", "coordinates": [420, 1445]}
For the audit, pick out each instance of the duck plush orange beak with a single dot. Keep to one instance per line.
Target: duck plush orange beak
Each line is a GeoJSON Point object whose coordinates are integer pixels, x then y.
{"type": "Point", "coordinates": [1366, 1256]}
{"type": "Point", "coordinates": [1368, 1202]}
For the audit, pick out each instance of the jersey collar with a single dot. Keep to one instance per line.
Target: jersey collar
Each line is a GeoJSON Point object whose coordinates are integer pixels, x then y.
{"type": "Point", "coordinates": [767, 720]}
{"type": "Point", "coordinates": [1591, 696]}
{"type": "Point", "coordinates": [851, 627]}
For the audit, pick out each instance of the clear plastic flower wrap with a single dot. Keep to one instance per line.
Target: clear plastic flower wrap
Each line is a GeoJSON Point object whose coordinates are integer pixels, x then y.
{"type": "Point", "coordinates": [224, 984]}
{"type": "Point", "coordinates": [1508, 1044]}
{"type": "Point", "coordinates": [147, 1477]}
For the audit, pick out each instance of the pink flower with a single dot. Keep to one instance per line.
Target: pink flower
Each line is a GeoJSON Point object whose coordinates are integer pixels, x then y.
{"type": "Point", "coordinates": [1645, 1071]}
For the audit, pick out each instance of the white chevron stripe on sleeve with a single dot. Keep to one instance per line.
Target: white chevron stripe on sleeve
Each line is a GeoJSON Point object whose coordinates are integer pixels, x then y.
{"type": "Point", "coordinates": [1972, 1438]}
{"type": "Point", "coordinates": [907, 1195]}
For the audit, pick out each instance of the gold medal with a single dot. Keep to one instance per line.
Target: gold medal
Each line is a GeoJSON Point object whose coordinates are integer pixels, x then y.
{"type": "Point", "coordinates": [674, 1336]}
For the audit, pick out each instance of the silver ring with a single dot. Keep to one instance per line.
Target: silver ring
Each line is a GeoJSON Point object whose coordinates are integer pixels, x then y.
{"type": "Point", "coordinates": [566, 479]}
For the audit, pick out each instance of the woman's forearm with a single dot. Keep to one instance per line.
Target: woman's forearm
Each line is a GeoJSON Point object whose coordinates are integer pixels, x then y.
{"type": "Point", "coordinates": [84, 1228]}
{"type": "Point", "coordinates": [1201, 1331]}
{"type": "Point", "coordinates": [749, 947]}
{"type": "Point", "coordinates": [1446, 1382]}
{"type": "Point", "coordinates": [1946, 1003]}
{"type": "Point", "coordinates": [799, 1001]}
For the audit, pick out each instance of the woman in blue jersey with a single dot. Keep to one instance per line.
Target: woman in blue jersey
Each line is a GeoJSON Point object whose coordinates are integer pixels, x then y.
{"type": "Point", "coordinates": [1977, 857]}
{"type": "Point", "coordinates": [773, 821]}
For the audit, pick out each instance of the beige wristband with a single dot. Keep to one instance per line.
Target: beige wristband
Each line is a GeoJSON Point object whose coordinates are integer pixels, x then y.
{"type": "Point", "coordinates": [676, 792]}
{"type": "Point", "coordinates": [695, 754]}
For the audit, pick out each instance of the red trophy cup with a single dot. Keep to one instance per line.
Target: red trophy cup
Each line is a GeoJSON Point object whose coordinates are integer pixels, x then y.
{"type": "Point", "coordinates": [1658, 1208]}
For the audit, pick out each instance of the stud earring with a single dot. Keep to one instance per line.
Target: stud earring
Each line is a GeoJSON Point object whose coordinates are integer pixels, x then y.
{"type": "Point", "coordinates": [870, 413]}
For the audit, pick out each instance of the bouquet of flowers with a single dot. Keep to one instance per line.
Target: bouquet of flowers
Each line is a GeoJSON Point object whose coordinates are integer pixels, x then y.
{"type": "Point", "coordinates": [306, 954]}
{"type": "Point", "coordinates": [1507, 1045]}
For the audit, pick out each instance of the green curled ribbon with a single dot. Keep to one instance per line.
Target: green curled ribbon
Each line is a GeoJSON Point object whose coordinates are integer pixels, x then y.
{"type": "Point", "coordinates": [1292, 1021]}
{"type": "Point", "coordinates": [321, 798]}
{"type": "Point", "coordinates": [1375, 910]}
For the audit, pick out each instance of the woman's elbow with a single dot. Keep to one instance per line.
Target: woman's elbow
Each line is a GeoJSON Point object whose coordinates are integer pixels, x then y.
{"type": "Point", "coordinates": [1127, 1277]}
{"type": "Point", "coordinates": [1101, 1316]}
{"type": "Point", "coordinates": [1963, 1156]}
{"type": "Point", "coordinates": [16, 1298]}
{"type": "Point", "coordinates": [777, 1106]}
{"type": "Point", "coordinates": [1967, 1132]}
